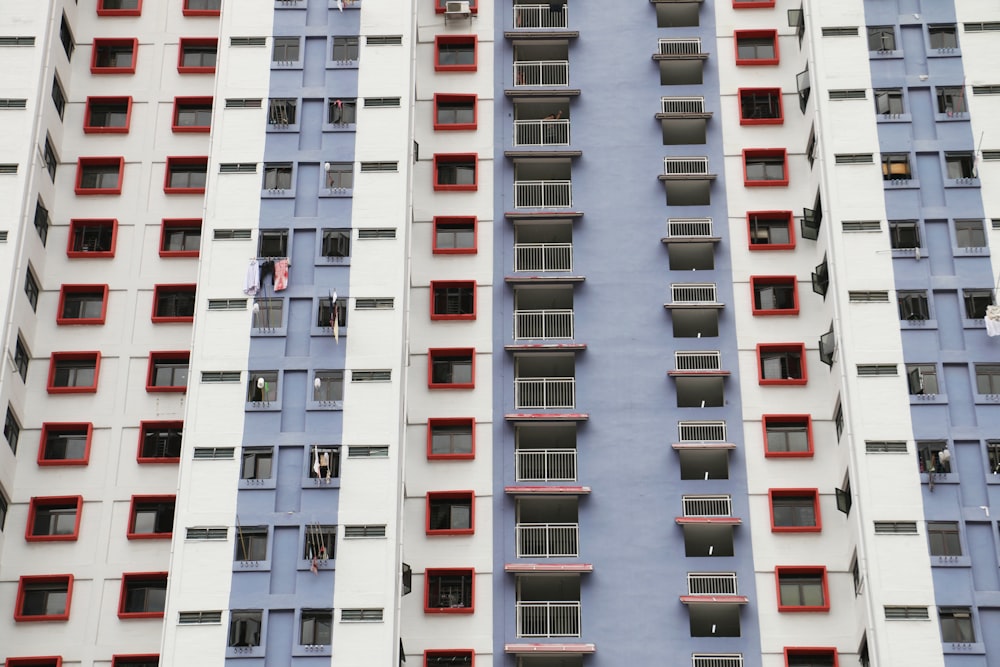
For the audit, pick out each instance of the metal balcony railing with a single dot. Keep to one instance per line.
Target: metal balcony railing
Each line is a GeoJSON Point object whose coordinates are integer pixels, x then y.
{"type": "Point", "coordinates": [545, 392]}
{"type": "Point", "coordinates": [682, 105]}
{"type": "Point", "coordinates": [541, 73]}
{"type": "Point", "coordinates": [543, 194]}
{"type": "Point", "coordinates": [689, 227]}
{"type": "Point", "coordinates": [698, 361]}
{"type": "Point", "coordinates": [680, 47]}
{"type": "Point", "coordinates": [716, 660]}
{"type": "Point", "coordinates": [543, 257]}
{"type": "Point", "coordinates": [545, 465]}
{"type": "Point", "coordinates": [693, 292]}
{"type": "Point", "coordinates": [540, 16]}
{"type": "Point", "coordinates": [543, 324]}
{"type": "Point", "coordinates": [716, 583]}
{"type": "Point", "coordinates": [548, 540]}
{"type": "Point", "coordinates": [548, 619]}
{"type": "Point", "coordinates": [685, 166]}
{"type": "Point", "coordinates": [701, 431]}
{"type": "Point", "coordinates": [708, 505]}
{"type": "Point", "coordinates": [541, 132]}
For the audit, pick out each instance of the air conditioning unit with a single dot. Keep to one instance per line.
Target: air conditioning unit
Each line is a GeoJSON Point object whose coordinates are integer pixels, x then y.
{"type": "Point", "coordinates": [457, 8]}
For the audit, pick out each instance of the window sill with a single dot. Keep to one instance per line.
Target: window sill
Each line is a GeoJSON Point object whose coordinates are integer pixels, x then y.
{"type": "Point", "coordinates": [150, 461]}
{"type": "Point", "coordinates": [777, 312]}
{"type": "Point", "coordinates": [976, 251]}
{"type": "Point", "coordinates": [974, 324]}
{"type": "Point", "coordinates": [263, 406]}
{"type": "Point", "coordinates": [987, 399]}
{"type": "Point", "coordinates": [180, 253]}
{"type": "Point", "coordinates": [329, 564]}
{"type": "Point", "coordinates": [780, 382]}
{"type": "Point", "coordinates": [445, 533]}
{"type": "Point", "coordinates": [757, 62]}
{"type": "Point", "coordinates": [766, 184]}
{"type": "Point", "coordinates": [342, 64]}
{"type": "Point", "coordinates": [336, 192]}
{"type": "Point", "coordinates": [960, 116]}
{"type": "Point", "coordinates": [87, 129]}
{"type": "Point", "coordinates": [940, 478]}
{"type": "Point", "coordinates": [112, 70]}
{"type": "Point", "coordinates": [326, 260]}
{"type": "Point", "coordinates": [172, 320]}
{"type": "Point", "coordinates": [993, 478]}
{"type": "Point", "coordinates": [262, 484]}
{"type": "Point", "coordinates": [51, 538]}
{"type": "Point", "coordinates": [202, 12]}
{"type": "Point", "coordinates": [172, 389]}
{"type": "Point", "coordinates": [340, 127]}
{"type": "Point", "coordinates": [86, 192]}
{"type": "Point", "coordinates": [439, 187]}
{"type": "Point", "coordinates": [149, 536]}
{"type": "Point", "coordinates": [918, 324]}
{"type": "Point", "coordinates": [802, 610]}
{"type": "Point", "coordinates": [928, 399]}
{"type": "Point", "coordinates": [286, 65]}
{"type": "Point", "coordinates": [963, 648]}
{"type": "Point", "coordinates": [300, 650]}
{"type": "Point", "coordinates": [885, 55]}
{"type": "Point", "coordinates": [251, 565]}
{"type": "Point", "coordinates": [139, 615]}
{"type": "Point", "coordinates": [962, 183]}
{"type": "Point", "coordinates": [463, 385]}
{"type": "Point", "coordinates": [78, 321]}
{"type": "Point", "coordinates": [766, 247]}
{"type": "Point", "coordinates": [72, 390]}
{"type": "Point", "coordinates": [449, 610]}
{"type": "Point", "coordinates": [325, 405]}
{"type": "Point", "coordinates": [903, 183]}
{"type": "Point", "coordinates": [279, 127]}
{"type": "Point", "coordinates": [196, 70]}
{"type": "Point", "coordinates": [90, 254]}
{"type": "Point", "coordinates": [321, 483]}
{"type": "Point", "coordinates": [21, 618]}
{"type": "Point", "coordinates": [190, 129]}
{"type": "Point", "coordinates": [449, 127]}
{"type": "Point", "coordinates": [245, 651]}
{"type": "Point", "coordinates": [950, 52]}
{"type": "Point", "coordinates": [268, 332]}
{"type": "Point", "coordinates": [327, 332]}
{"type": "Point", "coordinates": [907, 253]}
{"type": "Point", "coordinates": [893, 118]}
{"type": "Point", "coordinates": [278, 193]}
{"type": "Point", "coordinates": [184, 191]}
{"type": "Point", "coordinates": [951, 561]}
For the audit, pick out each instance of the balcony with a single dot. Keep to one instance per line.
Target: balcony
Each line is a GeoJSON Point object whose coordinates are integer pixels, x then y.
{"type": "Point", "coordinates": [542, 132]}
{"type": "Point", "coordinates": [686, 167]}
{"type": "Point", "coordinates": [543, 194]}
{"type": "Point", "coordinates": [697, 362]}
{"type": "Point", "coordinates": [543, 257]}
{"type": "Point", "coordinates": [713, 602]}
{"type": "Point", "coordinates": [543, 324]}
{"type": "Point", "coordinates": [683, 120]}
{"type": "Point", "coordinates": [711, 584]}
{"type": "Point", "coordinates": [688, 230]}
{"type": "Point", "coordinates": [545, 465]}
{"type": "Point", "coordinates": [681, 61]}
{"type": "Point", "coordinates": [547, 540]}
{"type": "Point", "coordinates": [717, 660]}
{"type": "Point", "coordinates": [534, 17]}
{"type": "Point", "coordinates": [708, 523]}
{"type": "Point", "coordinates": [687, 181]}
{"type": "Point", "coordinates": [697, 432]}
{"type": "Point", "coordinates": [541, 73]}
{"type": "Point", "coordinates": [548, 619]}
{"type": "Point", "coordinates": [707, 506]}
{"type": "Point", "coordinates": [689, 295]}
{"type": "Point", "coordinates": [535, 392]}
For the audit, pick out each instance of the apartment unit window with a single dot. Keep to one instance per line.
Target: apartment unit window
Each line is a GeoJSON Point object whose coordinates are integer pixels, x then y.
{"type": "Point", "coordinates": [160, 442]}
{"type": "Point", "coordinates": [54, 519]}
{"type": "Point", "coordinates": [65, 444]}
{"type": "Point", "coordinates": [960, 165]}
{"type": "Point", "coordinates": [31, 288]}
{"type": "Point", "coordinates": [245, 627]}
{"type": "Point", "coordinates": [286, 50]}
{"type": "Point", "coordinates": [99, 176]}
{"type": "Point", "coordinates": [282, 111]}
{"type": "Point", "coordinates": [257, 463]}
{"type": "Point", "coordinates": [173, 303]}
{"type": "Point", "coordinates": [821, 278]}
{"type": "Point", "coordinates": [904, 234]}
{"type": "Point", "coordinates": [324, 463]}
{"type": "Point", "coordinates": [896, 167]}
{"type": "Point", "coordinates": [320, 543]}
{"type": "Point", "coordinates": [251, 543]}
{"type": "Point", "coordinates": [3, 510]}
{"type": "Point", "coordinates": [186, 175]}
{"type": "Point", "coordinates": [325, 313]}
{"type": "Point", "coordinates": [82, 304]}
{"type": "Point", "coordinates": [336, 243]}
{"type": "Point", "coordinates": [956, 625]}
{"type": "Point", "coordinates": [455, 53]}
{"type": "Point", "coordinates": [143, 595]}
{"type": "Point", "coordinates": [951, 100]}
{"type": "Point", "coordinates": [449, 591]}
{"type": "Point", "coordinates": [92, 238]}
{"type": "Point", "coordinates": [976, 302]}
{"type": "Point", "coordinates": [66, 38]}
{"type": "Point", "coordinates": [889, 101]}
{"type": "Point", "coordinates": [453, 300]}
{"type": "Point", "coordinates": [451, 368]}
{"type": "Point", "coordinates": [760, 106]}
{"type": "Point", "coordinates": [278, 176]}
{"type": "Point", "coordinates": [180, 238]}
{"type": "Point", "coordinates": [114, 56]}
{"type": "Point", "coordinates": [455, 112]}
{"type": "Point", "coordinates": [450, 513]}
{"type": "Point", "coordinates": [450, 658]}
{"type": "Point", "coordinates": [316, 627]}
{"type": "Point", "coordinates": [58, 97]}
{"type": "Point", "coordinates": [781, 364]}
{"type": "Point", "coordinates": [774, 295]}
{"type": "Point", "coordinates": [922, 379]}
{"type": "Point", "coordinates": [944, 538]}
{"type": "Point", "coordinates": [794, 510]}
{"type": "Point", "coordinates": [197, 56]}
{"type": "Point", "coordinates": [802, 589]}
{"type": "Point", "coordinates": [168, 371]}
{"type": "Point", "coordinates": [993, 453]}
{"type": "Point", "coordinates": [882, 38]}
{"type": "Point", "coordinates": [192, 114]}
{"type": "Point", "coordinates": [762, 167]}
{"type": "Point", "coordinates": [267, 314]}
{"type": "Point", "coordinates": [771, 230]}
{"type": "Point", "coordinates": [119, 7]}
{"type": "Point", "coordinates": [943, 36]}
{"type": "Point", "coordinates": [342, 112]}
{"type": "Point", "coordinates": [73, 372]}
{"type": "Point", "coordinates": [454, 236]}
{"type": "Point", "coordinates": [151, 517]}
{"type": "Point", "coordinates": [43, 598]}
{"type": "Point", "coordinates": [456, 171]}
{"type": "Point", "coordinates": [338, 175]}
{"type": "Point", "coordinates": [756, 47]}
{"type": "Point", "coordinates": [970, 234]}
{"type": "Point", "coordinates": [810, 657]}
{"type": "Point", "coordinates": [50, 158]}
{"type": "Point", "coordinates": [345, 49]}
{"type": "Point", "coordinates": [913, 306]}
{"type": "Point", "coordinates": [988, 378]}
{"type": "Point", "coordinates": [11, 429]}
{"type": "Point", "coordinates": [328, 386]}
{"type": "Point", "coordinates": [451, 438]}
{"type": "Point", "coordinates": [41, 221]}
{"type": "Point", "coordinates": [107, 115]}
{"type": "Point", "coordinates": [273, 243]}
{"type": "Point", "coordinates": [263, 386]}
{"type": "Point", "coordinates": [135, 661]}
{"type": "Point", "coordinates": [202, 7]}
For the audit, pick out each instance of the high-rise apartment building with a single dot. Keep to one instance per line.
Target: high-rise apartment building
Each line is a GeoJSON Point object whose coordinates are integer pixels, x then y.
{"type": "Point", "coordinates": [464, 333]}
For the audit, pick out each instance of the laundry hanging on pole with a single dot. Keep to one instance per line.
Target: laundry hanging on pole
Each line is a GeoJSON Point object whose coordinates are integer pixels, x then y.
{"type": "Point", "coordinates": [335, 316]}
{"type": "Point", "coordinates": [992, 321]}
{"type": "Point", "coordinates": [251, 282]}
{"type": "Point", "coordinates": [281, 274]}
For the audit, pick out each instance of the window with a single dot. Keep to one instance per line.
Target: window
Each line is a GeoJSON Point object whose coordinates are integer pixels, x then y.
{"type": "Point", "coordinates": [316, 627]}
{"type": "Point", "coordinates": [771, 230]}
{"type": "Point", "coordinates": [325, 313]}
{"type": "Point", "coordinates": [54, 519]}
{"type": "Point", "coordinates": [451, 438]}
{"type": "Point", "coordinates": [192, 114]}
{"type": "Point", "coordinates": [99, 175]}
{"type": "Point", "coordinates": [143, 595]}
{"type": "Point", "coordinates": [197, 56]}
{"type": "Point", "coordinates": [802, 589]}
{"type": "Point", "coordinates": [951, 100]}
{"type": "Point", "coordinates": [114, 56]}
{"type": "Point", "coordinates": [73, 372]}
{"type": "Point", "coordinates": [135, 661]}
{"type": "Point", "coordinates": [960, 165]}
{"type": "Point", "coordinates": [180, 238]}
{"type": "Point", "coordinates": [942, 36]}
{"type": "Point", "coordinates": [811, 657]}
{"type": "Point", "coordinates": [970, 234]}
{"type": "Point", "coordinates": [51, 158]}
{"type": "Point", "coordinates": [11, 429]}
{"type": "Point", "coordinates": [455, 236]}
{"type": "Point", "coordinates": [781, 364]}
{"type": "Point", "coordinates": [251, 543]}
{"type": "Point", "coordinates": [66, 38]}
{"type": "Point", "coordinates": [324, 463]}
{"type": "Point", "coordinates": [245, 628]}
{"type": "Point", "coordinates": [41, 221]}
{"type": "Point", "coordinates": [82, 304]}
{"type": "Point", "coordinates": [160, 442]}
{"type": "Point", "coordinates": [151, 517]}
{"type": "Point", "coordinates": [282, 112]}
{"type": "Point", "coordinates": [3, 510]}
{"type": "Point", "coordinates": [450, 513]}
{"type": "Point", "coordinates": [904, 234]}
{"type": "Point", "coordinates": [896, 167]}
{"type": "Point", "coordinates": [168, 371]}
{"type": "Point", "coordinates": [119, 7]}
{"type": "Point", "coordinates": [913, 306]}
{"type": "Point", "coordinates": [364, 531]}
{"type": "Point", "coordinates": [65, 444]}
{"type": "Point", "coordinates": [328, 386]}
{"type": "Point", "coordinates": [92, 238]}
{"type": "Point", "coordinates": [756, 47]}
{"type": "Point", "coordinates": [345, 50]}
{"type": "Point", "coordinates": [107, 115]}
{"type": "Point", "coordinates": [976, 302]}
{"type": "Point", "coordinates": [338, 176]}
{"type": "Point", "coordinates": [21, 358]}
{"type": "Point", "coordinates": [450, 658]}
{"type": "Point", "coordinates": [765, 167]}
{"type": "Point", "coordinates": [58, 97]}
{"type": "Point", "coordinates": [453, 300]}
{"type": "Point", "coordinates": [273, 243]}
{"type": "Point", "coordinates": [286, 50]}
{"type": "Point", "coordinates": [173, 303]}
{"type": "Point", "coordinates": [882, 38]}
{"type": "Point", "coordinates": [956, 624]}
{"type": "Point", "coordinates": [278, 176]}
{"type": "Point", "coordinates": [257, 463]}
{"type": "Point", "coordinates": [455, 53]}
{"type": "Point", "coordinates": [451, 368]}
{"type": "Point", "coordinates": [794, 510]}
{"type": "Point", "coordinates": [449, 591]}
{"type": "Point", "coordinates": [267, 314]}
{"type": "Point", "coordinates": [342, 112]}
{"type": "Point", "coordinates": [202, 7]}
{"type": "Point", "coordinates": [45, 598]}
{"type": "Point", "coordinates": [922, 379]}
{"type": "Point", "coordinates": [185, 175]}
{"type": "Point", "coordinates": [889, 101]}
{"type": "Point", "coordinates": [263, 386]}
{"type": "Point", "coordinates": [456, 171]}
{"type": "Point", "coordinates": [774, 295]}
{"type": "Point", "coordinates": [455, 112]}
{"type": "Point", "coordinates": [760, 106]}
{"type": "Point", "coordinates": [993, 453]}
{"type": "Point", "coordinates": [944, 538]}
{"type": "Point", "coordinates": [336, 244]}
{"type": "Point", "coordinates": [988, 378]}
{"type": "Point", "coordinates": [31, 288]}
{"type": "Point", "coordinates": [320, 542]}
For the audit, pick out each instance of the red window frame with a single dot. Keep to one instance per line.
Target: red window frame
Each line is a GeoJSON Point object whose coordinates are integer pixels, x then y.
{"type": "Point", "coordinates": [810, 570]}
{"type": "Point", "coordinates": [81, 289]}
{"type": "Point", "coordinates": [756, 281]}
{"type": "Point", "coordinates": [441, 221]}
{"type": "Point", "coordinates": [795, 493]}
{"type": "Point", "coordinates": [786, 216]}
{"type": "Point", "coordinates": [761, 121]}
{"type": "Point", "coordinates": [752, 4]}
{"type": "Point", "coordinates": [35, 661]}
{"type": "Point", "coordinates": [756, 34]}
{"type": "Point", "coordinates": [155, 425]}
{"type": "Point", "coordinates": [180, 101]}
{"type": "Point", "coordinates": [460, 571]}
{"type": "Point", "coordinates": [100, 42]}
{"type": "Point", "coordinates": [64, 427]}
{"type": "Point", "coordinates": [166, 224]}
{"type": "Point", "coordinates": [456, 158]}
{"type": "Point", "coordinates": [130, 531]}
{"type": "Point", "coordinates": [450, 421]}
{"type": "Point", "coordinates": [168, 355]}
{"type": "Point", "coordinates": [129, 660]}
{"type": "Point", "coordinates": [453, 652]}
{"type": "Point", "coordinates": [753, 153]}
{"type": "Point", "coordinates": [200, 12]}
{"type": "Point", "coordinates": [446, 284]}
{"type": "Point", "coordinates": [91, 222]}
{"type": "Point", "coordinates": [97, 129]}
{"type": "Point", "coordinates": [84, 162]}
{"type": "Point", "coordinates": [173, 161]}
{"type": "Point", "coordinates": [451, 495]}
{"type": "Point", "coordinates": [101, 11]}
{"type": "Point", "coordinates": [788, 419]}
{"type": "Point", "coordinates": [452, 353]}
{"type": "Point", "coordinates": [782, 347]}
{"type": "Point", "coordinates": [440, 5]}
{"type": "Point", "coordinates": [806, 651]}
{"type": "Point", "coordinates": [449, 97]}
{"type": "Point", "coordinates": [43, 501]}
{"type": "Point", "coordinates": [56, 357]}
{"type": "Point", "coordinates": [137, 576]}
{"type": "Point", "coordinates": [168, 319]}
{"type": "Point", "coordinates": [195, 41]}
{"type": "Point", "coordinates": [456, 39]}
{"type": "Point", "coordinates": [23, 581]}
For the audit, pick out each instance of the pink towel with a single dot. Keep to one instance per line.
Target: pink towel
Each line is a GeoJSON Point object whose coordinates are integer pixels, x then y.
{"type": "Point", "coordinates": [280, 274]}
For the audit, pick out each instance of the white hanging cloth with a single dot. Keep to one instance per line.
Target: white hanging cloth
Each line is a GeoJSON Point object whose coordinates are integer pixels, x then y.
{"type": "Point", "coordinates": [992, 320]}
